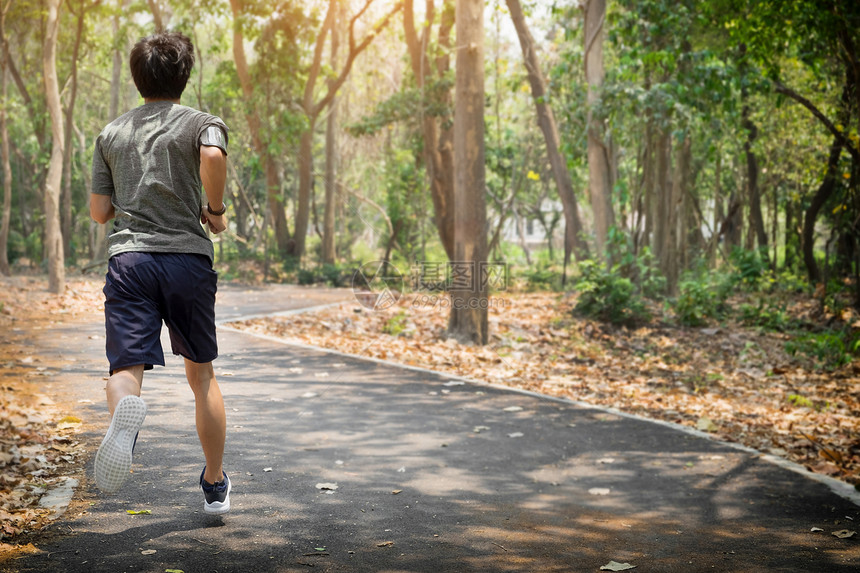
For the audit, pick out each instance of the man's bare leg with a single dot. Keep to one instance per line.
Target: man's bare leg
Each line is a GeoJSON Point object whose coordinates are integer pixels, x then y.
{"type": "Point", "coordinates": [209, 415]}
{"type": "Point", "coordinates": [114, 456]}
{"type": "Point", "coordinates": [124, 382]}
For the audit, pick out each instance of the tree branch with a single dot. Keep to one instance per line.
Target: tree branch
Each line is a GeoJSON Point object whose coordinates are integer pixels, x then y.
{"type": "Point", "coordinates": [354, 51]}
{"type": "Point", "coordinates": [838, 135]}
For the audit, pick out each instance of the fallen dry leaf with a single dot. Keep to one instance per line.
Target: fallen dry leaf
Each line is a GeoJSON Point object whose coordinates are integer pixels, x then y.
{"type": "Point", "coordinates": [616, 566]}
{"type": "Point", "coordinates": [844, 533]}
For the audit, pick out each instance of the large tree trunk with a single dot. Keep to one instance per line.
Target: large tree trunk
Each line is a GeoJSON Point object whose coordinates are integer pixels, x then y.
{"type": "Point", "coordinates": [438, 137]}
{"type": "Point", "coordinates": [600, 168]}
{"type": "Point", "coordinates": [273, 183]}
{"type": "Point", "coordinates": [53, 234]}
{"type": "Point", "coordinates": [574, 239]}
{"type": "Point", "coordinates": [468, 319]}
{"type": "Point", "coordinates": [4, 149]}
{"type": "Point", "coordinates": [663, 209]}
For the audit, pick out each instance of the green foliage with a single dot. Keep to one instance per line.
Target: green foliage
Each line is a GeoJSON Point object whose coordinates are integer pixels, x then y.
{"type": "Point", "coordinates": [543, 277]}
{"type": "Point", "coordinates": [697, 302]}
{"type": "Point", "coordinates": [830, 349]}
{"type": "Point", "coordinates": [405, 202]}
{"type": "Point", "coordinates": [641, 268]}
{"type": "Point", "coordinates": [306, 277]}
{"type": "Point", "coordinates": [335, 275]}
{"type": "Point", "coordinates": [397, 324]}
{"type": "Point", "coordinates": [800, 401]}
{"type": "Point", "coordinates": [606, 295]}
{"type": "Point", "coordinates": [767, 314]}
{"type": "Point", "coordinates": [16, 246]}
{"type": "Point", "coordinates": [33, 246]}
{"type": "Point", "coordinates": [749, 268]}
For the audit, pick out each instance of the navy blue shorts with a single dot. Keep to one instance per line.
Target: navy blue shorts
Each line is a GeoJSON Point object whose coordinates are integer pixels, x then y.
{"type": "Point", "coordinates": [142, 290]}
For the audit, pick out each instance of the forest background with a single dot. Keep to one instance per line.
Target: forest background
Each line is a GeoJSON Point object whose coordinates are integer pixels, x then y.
{"type": "Point", "coordinates": [690, 164]}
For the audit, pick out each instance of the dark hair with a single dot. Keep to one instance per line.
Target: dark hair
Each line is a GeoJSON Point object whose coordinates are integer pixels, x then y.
{"type": "Point", "coordinates": [161, 63]}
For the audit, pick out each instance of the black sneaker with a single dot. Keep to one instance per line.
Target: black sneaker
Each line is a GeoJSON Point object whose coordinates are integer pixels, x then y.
{"type": "Point", "coordinates": [217, 495]}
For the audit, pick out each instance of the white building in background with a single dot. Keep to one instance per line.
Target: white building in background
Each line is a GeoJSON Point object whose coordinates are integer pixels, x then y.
{"type": "Point", "coordinates": [529, 232]}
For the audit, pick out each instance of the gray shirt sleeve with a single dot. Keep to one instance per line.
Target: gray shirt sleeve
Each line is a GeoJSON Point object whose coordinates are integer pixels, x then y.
{"type": "Point", "coordinates": [102, 176]}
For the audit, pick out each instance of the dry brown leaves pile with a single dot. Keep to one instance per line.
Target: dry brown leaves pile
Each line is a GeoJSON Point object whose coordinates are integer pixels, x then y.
{"type": "Point", "coordinates": [37, 440]}
{"type": "Point", "coordinates": [734, 382]}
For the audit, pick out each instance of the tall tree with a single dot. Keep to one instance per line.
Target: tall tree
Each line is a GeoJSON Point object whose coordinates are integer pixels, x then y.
{"type": "Point", "coordinates": [430, 69]}
{"type": "Point", "coordinates": [468, 321]}
{"type": "Point", "coordinates": [255, 128]}
{"type": "Point", "coordinates": [753, 191]}
{"type": "Point", "coordinates": [600, 156]}
{"type": "Point", "coordinates": [313, 107]}
{"type": "Point", "coordinates": [4, 148]}
{"type": "Point", "coordinates": [574, 235]}
{"type": "Point", "coordinates": [66, 196]}
{"type": "Point", "coordinates": [53, 233]}
{"type": "Point", "coordinates": [329, 254]}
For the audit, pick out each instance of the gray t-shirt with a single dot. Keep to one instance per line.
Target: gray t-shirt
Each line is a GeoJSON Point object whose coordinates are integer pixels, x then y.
{"type": "Point", "coordinates": [148, 161]}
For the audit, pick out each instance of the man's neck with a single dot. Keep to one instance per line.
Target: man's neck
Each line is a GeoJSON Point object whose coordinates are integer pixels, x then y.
{"type": "Point", "coordinates": [153, 100]}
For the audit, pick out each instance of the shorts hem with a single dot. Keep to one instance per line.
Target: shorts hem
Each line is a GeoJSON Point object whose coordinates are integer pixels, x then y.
{"type": "Point", "coordinates": [147, 365]}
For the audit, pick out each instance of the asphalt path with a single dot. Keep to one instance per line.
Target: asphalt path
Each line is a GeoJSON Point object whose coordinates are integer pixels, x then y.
{"type": "Point", "coordinates": [345, 464]}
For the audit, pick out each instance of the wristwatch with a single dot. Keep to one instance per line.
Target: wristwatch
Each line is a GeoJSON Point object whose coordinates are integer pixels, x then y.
{"type": "Point", "coordinates": [221, 212]}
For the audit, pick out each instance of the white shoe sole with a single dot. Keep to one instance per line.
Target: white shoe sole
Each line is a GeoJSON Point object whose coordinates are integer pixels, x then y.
{"type": "Point", "coordinates": [219, 507]}
{"type": "Point", "coordinates": [113, 460]}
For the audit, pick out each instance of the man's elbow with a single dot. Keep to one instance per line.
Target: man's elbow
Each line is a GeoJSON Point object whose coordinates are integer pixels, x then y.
{"type": "Point", "coordinates": [101, 211]}
{"type": "Point", "coordinates": [100, 218]}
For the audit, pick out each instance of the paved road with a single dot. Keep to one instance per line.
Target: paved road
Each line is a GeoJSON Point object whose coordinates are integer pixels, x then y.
{"type": "Point", "coordinates": [431, 475]}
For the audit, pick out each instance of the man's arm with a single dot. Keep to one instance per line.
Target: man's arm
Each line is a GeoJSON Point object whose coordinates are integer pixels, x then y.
{"type": "Point", "coordinates": [213, 173]}
{"type": "Point", "coordinates": [101, 208]}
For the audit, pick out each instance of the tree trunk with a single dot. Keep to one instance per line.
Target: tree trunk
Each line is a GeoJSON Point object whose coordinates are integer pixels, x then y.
{"type": "Point", "coordinates": [574, 240]}
{"type": "Point", "coordinates": [53, 234]}
{"type": "Point", "coordinates": [825, 190]}
{"type": "Point", "coordinates": [329, 252]}
{"type": "Point", "coordinates": [468, 322]}
{"type": "Point", "coordinates": [303, 209]}
{"type": "Point", "coordinates": [665, 212]}
{"type": "Point", "coordinates": [66, 197]}
{"type": "Point", "coordinates": [683, 211]}
{"type": "Point", "coordinates": [438, 139]}
{"type": "Point", "coordinates": [599, 157]}
{"type": "Point", "coordinates": [755, 213]}
{"type": "Point", "coordinates": [7, 167]}
{"type": "Point", "coordinates": [791, 236]}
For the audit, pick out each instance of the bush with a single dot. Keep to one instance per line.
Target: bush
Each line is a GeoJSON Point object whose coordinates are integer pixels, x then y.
{"type": "Point", "coordinates": [697, 302]}
{"type": "Point", "coordinates": [749, 268]}
{"type": "Point", "coordinates": [306, 277]}
{"type": "Point", "coordinates": [831, 349]}
{"type": "Point", "coordinates": [336, 275]}
{"type": "Point", "coordinates": [766, 315]}
{"type": "Point", "coordinates": [542, 278]}
{"type": "Point", "coordinates": [396, 325]}
{"type": "Point", "coordinates": [606, 295]}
